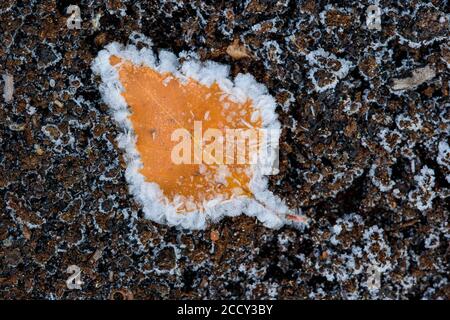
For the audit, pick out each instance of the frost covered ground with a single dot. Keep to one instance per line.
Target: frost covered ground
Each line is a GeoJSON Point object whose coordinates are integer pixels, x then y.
{"type": "Point", "coordinates": [364, 153]}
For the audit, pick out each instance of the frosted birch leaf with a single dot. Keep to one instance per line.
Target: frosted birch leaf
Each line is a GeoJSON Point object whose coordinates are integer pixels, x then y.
{"type": "Point", "coordinates": [181, 128]}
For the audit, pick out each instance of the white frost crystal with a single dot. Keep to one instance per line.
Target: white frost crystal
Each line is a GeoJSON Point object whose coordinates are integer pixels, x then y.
{"type": "Point", "coordinates": [422, 197]}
